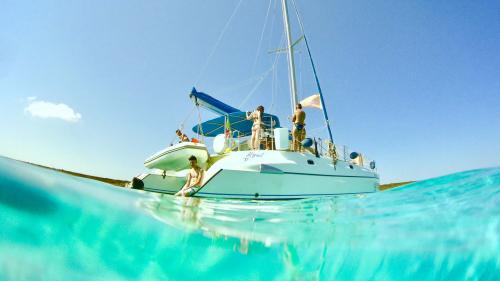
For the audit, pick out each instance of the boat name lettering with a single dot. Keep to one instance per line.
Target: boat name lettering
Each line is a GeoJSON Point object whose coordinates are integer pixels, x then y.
{"type": "Point", "coordinates": [252, 155]}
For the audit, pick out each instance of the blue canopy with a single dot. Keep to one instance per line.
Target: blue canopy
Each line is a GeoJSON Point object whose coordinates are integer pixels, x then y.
{"type": "Point", "coordinates": [238, 123]}
{"type": "Point", "coordinates": [208, 102]}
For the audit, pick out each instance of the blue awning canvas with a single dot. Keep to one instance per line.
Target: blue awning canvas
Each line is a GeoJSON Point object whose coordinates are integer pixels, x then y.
{"type": "Point", "coordinates": [210, 103]}
{"type": "Point", "coordinates": [239, 125]}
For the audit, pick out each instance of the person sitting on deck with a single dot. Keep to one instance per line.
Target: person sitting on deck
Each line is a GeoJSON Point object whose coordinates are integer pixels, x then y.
{"type": "Point", "coordinates": [257, 126]}
{"type": "Point", "coordinates": [182, 136]}
{"type": "Point", "coordinates": [299, 130]}
{"type": "Point", "coordinates": [194, 179]}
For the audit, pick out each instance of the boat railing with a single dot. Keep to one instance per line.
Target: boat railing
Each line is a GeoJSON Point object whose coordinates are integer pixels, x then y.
{"type": "Point", "coordinates": [343, 153]}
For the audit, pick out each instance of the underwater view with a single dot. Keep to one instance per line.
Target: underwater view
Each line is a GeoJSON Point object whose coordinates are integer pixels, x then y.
{"type": "Point", "coordinates": [59, 227]}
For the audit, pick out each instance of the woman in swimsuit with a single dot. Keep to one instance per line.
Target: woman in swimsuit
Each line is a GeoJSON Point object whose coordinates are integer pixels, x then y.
{"type": "Point", "coordinates": [257, 126]}
{"type": "Point", "coordinates": [182, 137]}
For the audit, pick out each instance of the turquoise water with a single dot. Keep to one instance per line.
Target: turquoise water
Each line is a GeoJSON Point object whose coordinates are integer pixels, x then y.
{"type": "Point", "coordinates": [58, 227]}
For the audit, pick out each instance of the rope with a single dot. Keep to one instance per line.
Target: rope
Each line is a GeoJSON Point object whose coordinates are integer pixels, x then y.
{"type": "Point", "coordinates": [252, 91]}
{"type": "Point", "coordinates": [317, 129]}
{"type": "Point", "coordinates": [272, 23]}
{"type": "Point", "coordinates": [274, 85]}
{"type": "Point", "coordinates": [202, 72]}
{"type": "Point", "coordinates": [314, 71]}
{"type": "Point", "coordinates": [187, 118]}
{"type": "Point", "coordinates": [274, 89]}
{"type": "Point", "coordinates": [240, 84]}
{"type": "Point", "coordinates": [262, 78]}
{"type": "Point", "coordinates": [261, 38]}
{"type": "Point", "coordinates": [181, 127]}
{"type": "Point", "coordinates": [200, 128]}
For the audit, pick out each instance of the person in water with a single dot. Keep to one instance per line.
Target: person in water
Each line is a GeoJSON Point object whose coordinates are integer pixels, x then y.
{"type": "Point", "coordinates": [182, 137]}
{"type": "Point", "coordinates": [257, 126]}
{"type": "Point", "coordinates": [299, 130]}
{"type": "Point", "coordinates": [194, 179]}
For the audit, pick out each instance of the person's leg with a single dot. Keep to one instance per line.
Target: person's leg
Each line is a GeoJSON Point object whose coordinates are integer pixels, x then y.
{"type": "Point", "coordinates": [251, 139]}
{"type": "Point", "coordinates": [186, 192]}
{"type": "Point", "coordinates": [256, 144]}
{"type": "Point", "coordinates": [254, 138]}
{"type": "Point", "coordinates": [302, 136]}
{"type": "Point", "coordinates": [295, 139]}
{"type": "Point", "coordinates": [180, 192]}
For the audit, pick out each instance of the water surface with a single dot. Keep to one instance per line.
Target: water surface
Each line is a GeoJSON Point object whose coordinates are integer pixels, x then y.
{"type": "Point", "coordinates": [55, 226]}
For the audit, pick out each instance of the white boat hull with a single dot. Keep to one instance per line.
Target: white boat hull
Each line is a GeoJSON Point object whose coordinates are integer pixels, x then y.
{"type": "Point", "coordinates": [274, 175]}
{"type": "Point", "coordinates": [254, 185]}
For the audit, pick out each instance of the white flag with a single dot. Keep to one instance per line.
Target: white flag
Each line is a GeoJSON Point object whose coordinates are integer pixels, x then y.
{"type": "Point", "coordinates": [312, 101]}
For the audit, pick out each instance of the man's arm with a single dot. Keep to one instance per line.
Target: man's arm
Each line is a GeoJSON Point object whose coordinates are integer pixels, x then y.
{"type": "Point", "coordinates": [187, 181]}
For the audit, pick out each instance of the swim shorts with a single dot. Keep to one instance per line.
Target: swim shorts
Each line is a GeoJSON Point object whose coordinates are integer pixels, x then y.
{"type": "Point", "coordinates": [299, 127]}
{"type": "Point", "coordinates": [191, 191]}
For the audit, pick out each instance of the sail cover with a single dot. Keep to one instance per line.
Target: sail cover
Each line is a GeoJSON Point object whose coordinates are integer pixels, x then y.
{"type": "Point", "coordinates": [237, 122]}
{"type": "Point", "coordinates": [210, 103]}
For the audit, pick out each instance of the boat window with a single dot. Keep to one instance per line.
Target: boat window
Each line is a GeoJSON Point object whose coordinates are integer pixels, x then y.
{"type": "Point", "coordinates": [310, 162]}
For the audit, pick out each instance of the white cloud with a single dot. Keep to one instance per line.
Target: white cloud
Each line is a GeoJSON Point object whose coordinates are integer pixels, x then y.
{"type": "Point", "coordinates": [43, 109]}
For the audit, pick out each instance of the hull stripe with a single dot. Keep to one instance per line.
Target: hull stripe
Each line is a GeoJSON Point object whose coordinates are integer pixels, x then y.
{"type": "Point", "coordinates": [333, 176]}
{"type": "Point", "coordinates": [253, 195]}
{"type": "Point", "coordinates": [281, 195]}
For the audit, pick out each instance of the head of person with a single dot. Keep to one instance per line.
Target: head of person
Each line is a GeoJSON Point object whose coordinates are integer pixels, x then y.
{"type": "Point", "coordinates": [178, 132]}
{"type": "Point", "coordinates": [298, 106]}
{"type": "Point", "coordinates": [260, 108]}
{"type": "Point", "coordinates": [193, 161]}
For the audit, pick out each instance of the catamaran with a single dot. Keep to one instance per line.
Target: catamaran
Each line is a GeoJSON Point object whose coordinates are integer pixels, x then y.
{"type": "Point", "coordinates": [274, 171]}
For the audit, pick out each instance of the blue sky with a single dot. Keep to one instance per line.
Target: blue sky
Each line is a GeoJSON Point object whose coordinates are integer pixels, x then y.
{"type": "Point", "coordinates": [413, 84]}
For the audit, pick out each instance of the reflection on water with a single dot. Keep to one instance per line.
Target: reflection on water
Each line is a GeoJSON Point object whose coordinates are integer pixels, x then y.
{"type": "Point", "coordinates": [71, 228]}
{"type": "Point", "coordinates": [268, 222]}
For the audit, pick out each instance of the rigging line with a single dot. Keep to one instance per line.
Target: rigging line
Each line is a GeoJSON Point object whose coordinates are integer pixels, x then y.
{"type": "Point", "coordinates": [252, 91]}
{"type": "Point", "coordinates": [274, 85]}
{"type": "Point", "coordinates": [241, 83]}
{"type": "Point", "coordinates": [300, 87]}
{"type": "Point", "coordinates": [264, 75]}
{"type": "Point", "coordinates": [317, 129]}
{"type": "Point", "coordinates": [327, 121]}
{"type": "Point", "coordinates": [274, 89]}
{"type": "Point", "coordinates": [189, 115]}
{"type": "Point", "coordinates": [261, 38]}
{"type": "Point", "coordinates": [202, 72]}
{"type": "Point", "coordinates": [186, 118]}
{"type": "Point", "coordinates": [272, 24]}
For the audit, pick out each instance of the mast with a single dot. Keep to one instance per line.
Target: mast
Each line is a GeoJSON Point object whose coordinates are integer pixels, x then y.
{"type": "Point", "coordinates": [291, 63]}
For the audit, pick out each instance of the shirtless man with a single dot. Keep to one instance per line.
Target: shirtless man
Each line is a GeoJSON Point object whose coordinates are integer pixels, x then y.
{"type": "Point", "coordinates": [299, 130]}
{"type": "Point", "coordinates": [194, 179]}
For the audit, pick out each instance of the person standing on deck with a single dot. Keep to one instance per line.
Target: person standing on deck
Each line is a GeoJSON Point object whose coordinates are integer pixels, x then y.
{"type": "Point", "coordinates": [299, 130]}
{"type": "Point", "coordinates": [194, 179]}
{"type": "Point", "coordinates": [257, 126]}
